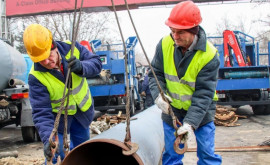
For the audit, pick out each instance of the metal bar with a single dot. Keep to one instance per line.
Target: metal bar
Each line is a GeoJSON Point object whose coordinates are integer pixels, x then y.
{"type": "Point", "coordinates": [236, 149]}
{"type": "Point", "coordinates": [268, 52]}
{"type": "Point", "coordinates": [105, 108]}
{"type": "Point", "coordinates": [258, 55]}
{"type": "Point", "coordinates": [106, 148]}
{"type": "Point", "coordinates": [9, 154]}
{"type": "Point", "coordinates": [244, 102]}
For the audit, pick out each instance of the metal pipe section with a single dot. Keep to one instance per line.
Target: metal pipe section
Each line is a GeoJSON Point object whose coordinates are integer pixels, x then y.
{"type": "Point", "coordinates": [246, 74]}
{"type": "Point", "coordinates": [12, 65]}
{"type": "Point", "coordinates": [14, 82]}
{"type": "Point", "coordinates": [106, 148]}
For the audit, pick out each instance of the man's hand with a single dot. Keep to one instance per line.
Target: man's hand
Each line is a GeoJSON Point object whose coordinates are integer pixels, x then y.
{"type": "Point", "coordinates": [75, 65]}
{"type": "Point", "coordinates": [162, 104]}
{"type": "Point", "coordinates": [47, 151]}
{"type": "Point", "coordinates": [185, 130]}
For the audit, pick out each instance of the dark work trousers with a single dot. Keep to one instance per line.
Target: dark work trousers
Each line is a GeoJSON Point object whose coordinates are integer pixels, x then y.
{"type": "Point", "coordinates": [148, 101]}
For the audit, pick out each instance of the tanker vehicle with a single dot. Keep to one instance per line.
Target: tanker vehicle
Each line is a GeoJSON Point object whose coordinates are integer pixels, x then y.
{"type": "Point", "coordinates": [15, 106]}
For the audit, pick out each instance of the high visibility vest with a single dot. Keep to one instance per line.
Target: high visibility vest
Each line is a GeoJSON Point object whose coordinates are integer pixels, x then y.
{"type": "Point", "coordinates": [79, 95]}
{"type": "Point", "coordinates": [181, 91]}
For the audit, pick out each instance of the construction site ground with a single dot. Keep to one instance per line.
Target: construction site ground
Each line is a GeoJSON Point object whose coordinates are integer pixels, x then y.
{"type": "Point", "coordinates": [251, 131]}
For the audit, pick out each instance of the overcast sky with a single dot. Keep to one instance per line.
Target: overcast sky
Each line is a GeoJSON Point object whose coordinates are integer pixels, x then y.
{"type": "Point", "coordinates": [150, 22]}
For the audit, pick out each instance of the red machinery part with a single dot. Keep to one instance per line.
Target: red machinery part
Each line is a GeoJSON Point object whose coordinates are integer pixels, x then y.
{"type": "Point", "coordinates": [230, 42]}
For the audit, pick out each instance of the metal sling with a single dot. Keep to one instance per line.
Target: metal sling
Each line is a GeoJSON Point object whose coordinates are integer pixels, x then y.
{"type": "Point", "coordinates": [176, 122]}
{"type": "Point", "coordinates": [53, 140]}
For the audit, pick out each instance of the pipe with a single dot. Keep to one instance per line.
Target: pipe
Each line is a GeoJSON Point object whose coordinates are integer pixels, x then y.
{"type": "Point", "coordinates": [237, 149]}
{"type": "Point", "coordinates": [9, 154]}
{"type": "Point", "coordinates": [14, 82]}
{"type": "Point", "coordinates": [106, 148]}
{"type": "Point", "coordinates": [246, 74]}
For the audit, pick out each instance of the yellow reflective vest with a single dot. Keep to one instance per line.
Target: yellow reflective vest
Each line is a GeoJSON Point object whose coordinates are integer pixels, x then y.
{"type": "Point", "coordinates": [181, 91]}
{"type": "Point", "coordinates": [79, 95]}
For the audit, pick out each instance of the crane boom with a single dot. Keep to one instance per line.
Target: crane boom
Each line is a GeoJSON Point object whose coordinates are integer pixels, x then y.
{"type": "Point", "coordinates": [231, 44]}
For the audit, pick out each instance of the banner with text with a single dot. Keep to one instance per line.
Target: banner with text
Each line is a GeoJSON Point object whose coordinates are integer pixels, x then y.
{"type": "Point", "coordinates": [31, 7]}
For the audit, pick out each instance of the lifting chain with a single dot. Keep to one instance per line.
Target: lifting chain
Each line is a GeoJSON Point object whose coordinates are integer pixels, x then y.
{"type": "Point", "coordinates": [133, 147]}
{"type": "Point", "coordinates": [176, 122]}
{"type": "Point", "coordinates": [53, 140]}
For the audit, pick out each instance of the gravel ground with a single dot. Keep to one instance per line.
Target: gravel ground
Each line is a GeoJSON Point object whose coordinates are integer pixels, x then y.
{"type": "Point", "coordinates": [251, 132]}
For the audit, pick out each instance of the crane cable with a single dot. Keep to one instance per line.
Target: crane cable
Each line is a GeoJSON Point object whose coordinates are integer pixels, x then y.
{"type": "Point", "coordinates": [133, 147]}
{"type": "Point", "coordinates": [176, 122]}
{"type": "Point", "coordinates": [54, 143]}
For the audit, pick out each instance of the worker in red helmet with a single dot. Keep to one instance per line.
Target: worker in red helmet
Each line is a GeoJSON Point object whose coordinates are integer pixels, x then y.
{"type": "Point", "coordinates": [186, 65]}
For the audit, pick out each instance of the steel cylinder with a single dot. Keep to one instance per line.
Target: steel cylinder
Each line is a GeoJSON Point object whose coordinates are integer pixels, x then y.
{"type": "Point", "coordinates": [106, 148]}
{"type": "Point", "coordinates": [12, 65]}
{"type": "Point", "coordinates": [14, 82]}
{"type": "Point", "coordinates": [246, 74]}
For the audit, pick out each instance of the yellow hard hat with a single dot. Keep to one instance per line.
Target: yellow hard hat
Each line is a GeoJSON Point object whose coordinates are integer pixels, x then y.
{"type": "Point", "coordinates": [37, 41]}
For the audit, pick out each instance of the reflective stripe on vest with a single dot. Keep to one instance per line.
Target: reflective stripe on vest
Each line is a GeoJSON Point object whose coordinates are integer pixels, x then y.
{"type": "Point", "coordinates": [80, 94]}
{"type": "Point", "coordinates": [181, 91]}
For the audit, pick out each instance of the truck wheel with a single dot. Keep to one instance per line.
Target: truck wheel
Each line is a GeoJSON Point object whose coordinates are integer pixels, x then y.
{"type": "Point", "coordinates": [37, 136]}
{"type": "Point", "coordinates": [267, 110]}
{"type": "Point", "coordinates": [28, 134]}
{"type": "Point", "coordinates": [258, 109]}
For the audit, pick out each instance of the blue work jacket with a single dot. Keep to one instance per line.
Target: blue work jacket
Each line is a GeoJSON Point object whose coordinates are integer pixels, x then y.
{"type": "Point", "coordinates": [43, 116]}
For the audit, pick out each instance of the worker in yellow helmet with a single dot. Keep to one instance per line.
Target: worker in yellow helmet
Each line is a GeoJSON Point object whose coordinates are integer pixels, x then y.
{"type": "Point", "coordinates": [186, 65]}
{"type": "Point", "coordinates": [47, 82]}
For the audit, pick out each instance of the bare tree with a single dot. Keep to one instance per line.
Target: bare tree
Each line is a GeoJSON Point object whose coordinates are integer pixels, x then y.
{"type": "Point", "coordinates": [241, 24]}
{"type": "Point", "coordinates": [263, 38]}
{"type": "Point", "coordinates": [244, 25]}
{"type": "Point", "coordinates": [91, 26]}
{"type": "Point", "coordinates": [224, 24]}
{"type": "Point", "coordinates": [264, 35]}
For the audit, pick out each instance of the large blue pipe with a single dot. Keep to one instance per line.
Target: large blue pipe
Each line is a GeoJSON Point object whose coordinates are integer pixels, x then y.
{"type": "Point", "coordinates": [106, 148]}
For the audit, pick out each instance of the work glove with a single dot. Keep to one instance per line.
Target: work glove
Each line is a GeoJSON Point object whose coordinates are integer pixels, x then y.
{"type": "Point", "coordinates": [47, 151]}
{"type": "Point", "coordinates": [162, 104]}
{"type": "Point", "coordinates": [75, 65]}
{"type": "Point", "coordinates": [185, 130]}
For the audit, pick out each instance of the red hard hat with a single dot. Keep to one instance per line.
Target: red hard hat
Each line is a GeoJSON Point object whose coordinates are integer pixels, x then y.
{"type": "Point", "coordinates": [87, 45]}
{"type": "Point", "coordinates": [184, 15]}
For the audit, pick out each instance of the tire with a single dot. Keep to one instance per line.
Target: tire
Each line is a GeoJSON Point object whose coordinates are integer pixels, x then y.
{"type": "Point", "coordinates": [258, 109]}
{"type": "Point", "coordinates": [262, 109]}
{"type": "Point", "coordinates": [267, 110]}
{"type": "Point", "coordinates": [28, 134]}
{"type": "Point", "coordinates": [37, 136]}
